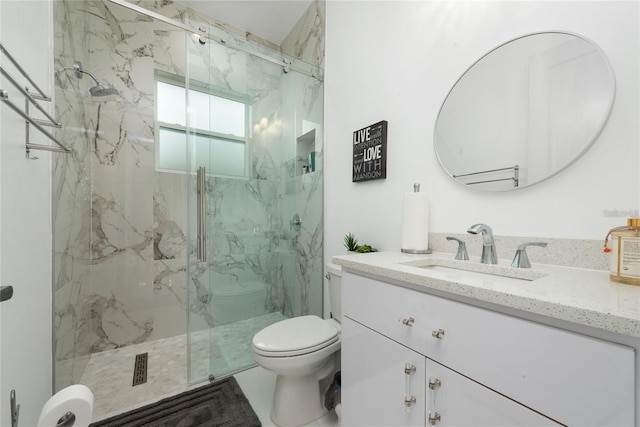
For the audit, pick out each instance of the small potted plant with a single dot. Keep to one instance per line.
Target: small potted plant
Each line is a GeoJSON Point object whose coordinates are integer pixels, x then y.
{"type": "Point", "coordinates": [351, 243]}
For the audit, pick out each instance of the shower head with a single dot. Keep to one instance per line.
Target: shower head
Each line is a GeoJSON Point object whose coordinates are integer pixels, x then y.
{"type": "Point", "coordinates": [103, 89]}
{"type": "Point", "coordinates": [100, 89]}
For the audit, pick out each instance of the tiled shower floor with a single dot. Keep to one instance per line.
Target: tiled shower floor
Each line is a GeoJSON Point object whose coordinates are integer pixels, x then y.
{"type": "Point", "coordinates": [109, 374]}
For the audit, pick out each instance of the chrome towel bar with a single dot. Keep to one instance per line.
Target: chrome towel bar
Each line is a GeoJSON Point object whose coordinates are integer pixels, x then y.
{"type": "Point", "coordinates": [40, 95]}
{"type": "Point", "coordinates": [30, 98]}
{"type": "Point", "coordinates": [5, 97]}
{"type": "Point", "coordinates": [515, 178]}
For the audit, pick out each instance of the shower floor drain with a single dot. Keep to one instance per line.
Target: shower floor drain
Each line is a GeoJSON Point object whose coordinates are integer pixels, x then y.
{"type": "Point", "coordinates": [140, 369]}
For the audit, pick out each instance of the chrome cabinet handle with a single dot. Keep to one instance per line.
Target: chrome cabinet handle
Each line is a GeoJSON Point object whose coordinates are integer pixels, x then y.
{"type": "Point", "coordinates": [408, 322]}
{"type": "Point", "coordinates": [439, 334]}
{"type": "Point", "coordinates": [409, 399]}
{"type": "Point", "coordinates": [434, 416]}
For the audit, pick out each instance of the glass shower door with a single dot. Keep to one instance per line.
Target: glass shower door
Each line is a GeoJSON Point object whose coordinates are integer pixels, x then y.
{"type": "Point", "coordinates": [231, 213]}
{"type": "Point", "coordinates": [245, 114]}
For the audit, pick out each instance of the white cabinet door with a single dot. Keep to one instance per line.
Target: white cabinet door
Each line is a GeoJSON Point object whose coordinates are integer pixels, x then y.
{"type": "Point", "coordinates": [374, 383]}
{"type": "Point", "coordinates": [459, 402]}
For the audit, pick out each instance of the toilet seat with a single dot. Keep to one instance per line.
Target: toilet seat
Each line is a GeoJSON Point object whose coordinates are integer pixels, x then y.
{"type": "Point", "coordinates": [294, 337]}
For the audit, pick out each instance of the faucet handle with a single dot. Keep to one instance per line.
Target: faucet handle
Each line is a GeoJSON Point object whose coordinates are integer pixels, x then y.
{"type": "Point", "coordinates": [462, 249]}
{"type": "Point", "coordinates": [521, 259]}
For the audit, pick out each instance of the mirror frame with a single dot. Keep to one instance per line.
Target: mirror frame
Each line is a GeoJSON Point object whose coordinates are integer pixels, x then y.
{"type": "Point", "coordinates": [579, 154]}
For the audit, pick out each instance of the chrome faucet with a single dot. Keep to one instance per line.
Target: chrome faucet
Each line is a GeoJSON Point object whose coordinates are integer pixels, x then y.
{"type": "Point", "coordinates": [521, 259]}
{"type": "Point", "coordinates": [489, 254]}
{"type": "Point", "coordinates": [462, 249]}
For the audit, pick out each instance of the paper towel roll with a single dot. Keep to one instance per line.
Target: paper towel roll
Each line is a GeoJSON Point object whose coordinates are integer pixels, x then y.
{"type": "Point", "coordinates": [76, 399]}
{"type": "Point", "coordinates": [415, 223]}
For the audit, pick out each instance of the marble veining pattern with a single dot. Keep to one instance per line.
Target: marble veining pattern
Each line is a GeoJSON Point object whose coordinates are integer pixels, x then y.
{"type": "Point", "coordinates": [306, 40]}
{"type": "Point", "coordinates": [125, 267]}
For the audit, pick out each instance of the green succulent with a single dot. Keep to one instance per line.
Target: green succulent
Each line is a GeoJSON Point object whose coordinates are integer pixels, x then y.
{"type": "Point", "coordinates": [363, 249]}
{"type": "Point", "coordinates": [350, 242]}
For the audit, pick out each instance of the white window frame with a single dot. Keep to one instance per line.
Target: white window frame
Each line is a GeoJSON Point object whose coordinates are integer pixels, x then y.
{"type": "Point", "coordinates": [175, 80]}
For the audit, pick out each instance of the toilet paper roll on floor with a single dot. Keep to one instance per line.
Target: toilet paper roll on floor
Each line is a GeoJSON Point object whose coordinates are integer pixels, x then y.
{"type": "Point", "coordinates": [76, 399]}
{"type": "Point", "coordinates": [415, 223]}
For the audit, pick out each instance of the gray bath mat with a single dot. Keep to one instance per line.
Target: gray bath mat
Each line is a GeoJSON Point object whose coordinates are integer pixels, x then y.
{"type": "Point", "coordinates": [221, 404]}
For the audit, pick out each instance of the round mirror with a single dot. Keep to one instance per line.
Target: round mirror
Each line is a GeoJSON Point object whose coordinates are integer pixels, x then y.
{"type": "Point", "coordinates": [524, 111]}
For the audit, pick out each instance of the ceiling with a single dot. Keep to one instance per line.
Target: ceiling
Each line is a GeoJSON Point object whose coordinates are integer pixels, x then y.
{"type": "Point", "coordinates": [269, 19]}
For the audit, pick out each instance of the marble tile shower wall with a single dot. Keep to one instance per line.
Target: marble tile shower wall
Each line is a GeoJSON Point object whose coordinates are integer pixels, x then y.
{"type": "Point", "coordinates": [71, 200]}
{"type": "Point", "coordinates": [120, 227]}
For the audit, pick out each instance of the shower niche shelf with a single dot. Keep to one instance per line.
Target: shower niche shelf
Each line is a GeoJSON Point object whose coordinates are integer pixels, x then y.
{"type": "Point", "coordinates": [305, 153]}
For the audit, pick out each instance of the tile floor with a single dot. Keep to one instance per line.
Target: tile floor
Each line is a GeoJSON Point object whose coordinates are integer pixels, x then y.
{"type": "Point", "coordinates": [109, 374]}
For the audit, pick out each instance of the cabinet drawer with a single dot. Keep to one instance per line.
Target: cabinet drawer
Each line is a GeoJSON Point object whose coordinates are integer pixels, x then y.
{"type": "Point", "coordinates": [574, 379]}
{"type": "Point", "coordinates": [401, 314]}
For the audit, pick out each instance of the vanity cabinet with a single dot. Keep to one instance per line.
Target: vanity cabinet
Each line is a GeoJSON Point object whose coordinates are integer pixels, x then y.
{"type": "Point", "coordinates": [386, 384]}
{"type": "Point", "coordinates": [502, 366]}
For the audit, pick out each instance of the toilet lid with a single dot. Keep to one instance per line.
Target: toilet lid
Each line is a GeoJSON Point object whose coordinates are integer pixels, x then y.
{"type": "Point", "coordinates": [294, 336]}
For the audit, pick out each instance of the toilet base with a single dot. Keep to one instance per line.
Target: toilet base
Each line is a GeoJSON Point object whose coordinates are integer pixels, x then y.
{"type": "Point", "coordinates": [297, 398]}
{"type": "Point", "coordinates": [297, 401]}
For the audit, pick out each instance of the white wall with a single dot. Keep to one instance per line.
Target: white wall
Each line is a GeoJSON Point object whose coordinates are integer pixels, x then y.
{"type": "Point", "coordinates": [397, 60]}
{"type": "Point", "coordinates": [25, 220]}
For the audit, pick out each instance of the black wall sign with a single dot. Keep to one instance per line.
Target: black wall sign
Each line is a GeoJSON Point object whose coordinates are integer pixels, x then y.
{"type": "Point", "coordinates": [370, 152]}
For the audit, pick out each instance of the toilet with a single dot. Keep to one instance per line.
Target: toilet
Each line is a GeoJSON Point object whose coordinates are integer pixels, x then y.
{"type": "Point", "coordinates": [233, 302]}
{"type": "Point", "coordinates": [301, 351]}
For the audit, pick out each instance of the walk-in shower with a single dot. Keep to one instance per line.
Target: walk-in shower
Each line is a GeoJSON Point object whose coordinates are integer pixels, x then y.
{"type": "Point", "coordinates": [131, 210]}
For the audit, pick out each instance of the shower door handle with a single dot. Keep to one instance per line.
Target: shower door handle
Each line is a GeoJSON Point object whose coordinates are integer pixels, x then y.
{"type": "Point", "coordinates": [202, 214]}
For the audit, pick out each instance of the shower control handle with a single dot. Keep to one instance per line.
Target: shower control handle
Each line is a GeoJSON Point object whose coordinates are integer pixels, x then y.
{"type": "Point", "coordinates": [295, 223]}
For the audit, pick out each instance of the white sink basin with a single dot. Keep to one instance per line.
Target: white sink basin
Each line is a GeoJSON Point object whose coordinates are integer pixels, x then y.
{"type": "Point", "coordinates": [455, 269]}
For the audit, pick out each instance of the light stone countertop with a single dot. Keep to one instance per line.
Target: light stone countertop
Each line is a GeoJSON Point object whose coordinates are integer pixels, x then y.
{"type": "Point", "coordinates": [578, 295]}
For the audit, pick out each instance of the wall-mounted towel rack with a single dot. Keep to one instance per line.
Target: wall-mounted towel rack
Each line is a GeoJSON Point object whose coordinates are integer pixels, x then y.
{"type": "Point", "coordinates": [31, 99]}
{"type": "Point", "coordinates": [515, 178]}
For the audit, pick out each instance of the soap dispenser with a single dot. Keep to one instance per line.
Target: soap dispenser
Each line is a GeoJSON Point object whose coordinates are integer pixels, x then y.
{"type": "Point", "coordinates": [624, 264]}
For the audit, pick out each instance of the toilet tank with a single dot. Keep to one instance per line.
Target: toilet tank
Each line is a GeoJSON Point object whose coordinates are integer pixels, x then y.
{"type": "Point", "coordinates": [334, 279]}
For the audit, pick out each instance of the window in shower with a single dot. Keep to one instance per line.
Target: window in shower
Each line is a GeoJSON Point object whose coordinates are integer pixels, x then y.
{"type": "Point", "coordinates": [217, 122]}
